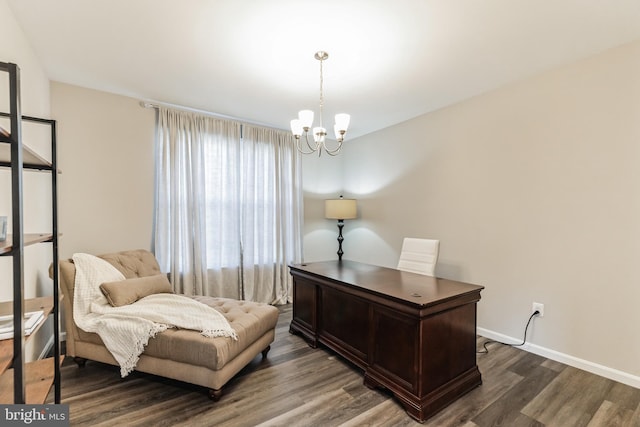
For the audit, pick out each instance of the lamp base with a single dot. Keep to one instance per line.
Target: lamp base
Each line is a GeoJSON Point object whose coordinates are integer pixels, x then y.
{"type": "Point", "coordinates": [340, 239]}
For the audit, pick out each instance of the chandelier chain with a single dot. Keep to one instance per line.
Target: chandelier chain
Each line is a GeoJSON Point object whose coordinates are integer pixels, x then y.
{"type": "Point", "coordinates": [321, 91]}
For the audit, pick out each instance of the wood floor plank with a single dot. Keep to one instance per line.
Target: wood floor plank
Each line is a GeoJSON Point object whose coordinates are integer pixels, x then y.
{"type": "Point", "coordinates": [297, 385]}
{"type": "Point", "coordinates": [153, 414]}
{"type": "Point", "coordinates": [624, 395]}
{"type": "Point", "coordinates": [571, 399]}
{"type": "Point", "coordinates": [552, 364]}
{"type": "Point", "coordinates": [495, 384]}
{"type": "Point", "coordinates": [635, 418]}
{"type": "Point", "coordinates": [611, 415]}
{"type": "Point", "coordinates": [313, 411]}
{"type": "Point", "coordinates": [501, 356]}
{"type": "Point", "coordinates": [507, 410]}
{"type": "Point", "coordinates": [386, 413]}
{"type": "Point", "coordinates": [526, 364]}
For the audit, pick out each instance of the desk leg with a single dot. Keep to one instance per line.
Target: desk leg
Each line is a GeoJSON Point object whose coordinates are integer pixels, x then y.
{"type": "Point", "coordinates": [305, 315]}
{"type": "Point", "coordinates": [310, 338]}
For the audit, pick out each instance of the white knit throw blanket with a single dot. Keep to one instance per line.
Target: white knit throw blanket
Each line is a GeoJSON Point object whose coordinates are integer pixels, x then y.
{"type": "Point", "coordinates": [126, 330]}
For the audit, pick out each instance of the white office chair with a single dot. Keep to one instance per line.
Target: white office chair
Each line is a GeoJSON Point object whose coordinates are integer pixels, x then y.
{"type": "Point", "coordinates": [419, 255]}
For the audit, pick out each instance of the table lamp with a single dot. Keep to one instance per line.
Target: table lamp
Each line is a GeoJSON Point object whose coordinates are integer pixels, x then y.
{"type": "Point", "coordinates": [340, 209]}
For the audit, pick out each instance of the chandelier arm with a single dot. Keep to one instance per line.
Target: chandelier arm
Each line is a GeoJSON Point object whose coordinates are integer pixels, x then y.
{"type": "Point", "coordinates": [336, 148]}
{"type": "Point", "coordinates": [335, 151]}
{"type": "Point", "coordinates": [312, 148]}
{"type": "Point", "coordinates": [300, 147]}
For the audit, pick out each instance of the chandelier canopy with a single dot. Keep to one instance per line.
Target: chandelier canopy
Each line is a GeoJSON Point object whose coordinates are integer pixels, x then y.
{"type": "Point", "coordinates": [300, 127]}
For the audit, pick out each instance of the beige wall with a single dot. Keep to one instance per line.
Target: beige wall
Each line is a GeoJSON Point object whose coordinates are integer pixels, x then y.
{"type": "Point", "coordinates": [37, 186]}
{"type": "Point", "coordinates": [534, 192]}
{"type": "Point", "coordinates": [106, 156]}
{"type": "Point", "coordinates": [322, 178]}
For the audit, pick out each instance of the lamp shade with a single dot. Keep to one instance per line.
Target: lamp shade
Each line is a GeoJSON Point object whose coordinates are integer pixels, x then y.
{"type": "Point", "coordinates": [340, 209]}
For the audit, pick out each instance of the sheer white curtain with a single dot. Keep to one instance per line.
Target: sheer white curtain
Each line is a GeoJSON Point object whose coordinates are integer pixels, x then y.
{"type": "Point", "coordinates": [271, 209]}
{"type": "Point", "coordinates": [228, 212]}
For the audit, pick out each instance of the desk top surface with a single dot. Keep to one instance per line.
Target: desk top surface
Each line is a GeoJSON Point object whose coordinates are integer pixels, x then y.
{"type": "Point", "coordinates": [412, 288]}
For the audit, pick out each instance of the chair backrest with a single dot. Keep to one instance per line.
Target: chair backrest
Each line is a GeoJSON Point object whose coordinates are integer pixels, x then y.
{"type": "Point", "coordinates": [419, 255]}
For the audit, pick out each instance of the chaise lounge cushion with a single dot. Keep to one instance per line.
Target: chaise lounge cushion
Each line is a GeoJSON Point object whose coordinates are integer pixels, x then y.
{"type": "Point", "coordinates": [250, 321]}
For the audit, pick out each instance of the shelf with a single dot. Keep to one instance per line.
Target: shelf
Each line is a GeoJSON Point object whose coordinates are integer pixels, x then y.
{"type": "Point", "coordinates": [38, 380]}
{"type": "Point", "coordinates": [30, 159]}
{"type": "Point", "coordinates": [6, 247]}
{"type": "Point", "coordinates": [39, 374]}
{"type": "Point", "coordinates": [44, 304]}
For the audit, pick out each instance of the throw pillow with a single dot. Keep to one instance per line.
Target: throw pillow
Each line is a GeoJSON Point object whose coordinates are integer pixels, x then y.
{"type": "Point", "coordinates": [131, 290]}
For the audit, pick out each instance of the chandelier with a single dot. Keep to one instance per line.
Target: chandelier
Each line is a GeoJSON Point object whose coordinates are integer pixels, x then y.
{"type": "Point", "coordinates": [300, 127]}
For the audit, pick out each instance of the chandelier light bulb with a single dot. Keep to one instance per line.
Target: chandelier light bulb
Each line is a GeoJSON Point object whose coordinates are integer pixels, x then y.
{"type": "Point", "coordinates": [342, 121]}
{"type": "Point", "coordinates": [318, 134]}
{"type": "Point", "coordinates": [306, 119]}
{"type": "Point", "coordinates": [296, 128]}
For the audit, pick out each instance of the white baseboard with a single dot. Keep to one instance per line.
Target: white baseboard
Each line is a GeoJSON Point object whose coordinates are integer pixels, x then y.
{"type": "Point", "coordinates": [49, 345]}
{"type": "Point", "coordinates": [585, 365]}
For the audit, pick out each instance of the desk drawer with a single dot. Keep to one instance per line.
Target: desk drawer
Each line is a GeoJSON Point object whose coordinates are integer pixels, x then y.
{"type": "Point", "coordinates": [395, 351]}
{"type": "Point", "coordinates": [344, 324]}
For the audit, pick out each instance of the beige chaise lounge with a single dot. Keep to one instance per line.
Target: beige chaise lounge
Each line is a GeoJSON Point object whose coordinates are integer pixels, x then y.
{"type": "Point", "coordinates": [184, 355]}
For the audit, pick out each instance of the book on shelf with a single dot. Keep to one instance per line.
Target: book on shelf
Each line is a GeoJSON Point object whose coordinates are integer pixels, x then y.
{"type": "Point", "coordinates": [31, 321]}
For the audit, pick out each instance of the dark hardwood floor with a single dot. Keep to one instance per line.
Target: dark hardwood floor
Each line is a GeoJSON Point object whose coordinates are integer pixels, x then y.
{"type": "Point", "coordinates": [300, 386]}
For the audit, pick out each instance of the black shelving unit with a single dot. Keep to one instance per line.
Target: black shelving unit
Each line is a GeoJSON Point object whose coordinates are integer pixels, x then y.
{"type": "Point", "coordinates": [22, 382]}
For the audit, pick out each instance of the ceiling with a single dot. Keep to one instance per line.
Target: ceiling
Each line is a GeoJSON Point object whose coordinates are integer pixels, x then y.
{"type": "Point", "coordinates": [388, 61]}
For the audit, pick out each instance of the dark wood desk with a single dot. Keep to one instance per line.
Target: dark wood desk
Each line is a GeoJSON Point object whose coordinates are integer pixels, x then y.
{"type": "Point", "coordinates": [412, 334]}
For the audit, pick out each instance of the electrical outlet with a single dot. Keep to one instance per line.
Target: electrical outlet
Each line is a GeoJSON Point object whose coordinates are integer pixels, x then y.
{"type": "Point", "coordinates": [536, 306]}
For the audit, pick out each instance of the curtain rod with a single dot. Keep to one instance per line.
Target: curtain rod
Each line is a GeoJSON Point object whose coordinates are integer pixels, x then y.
{"type": "Point", "coordinates": [156, 105]}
